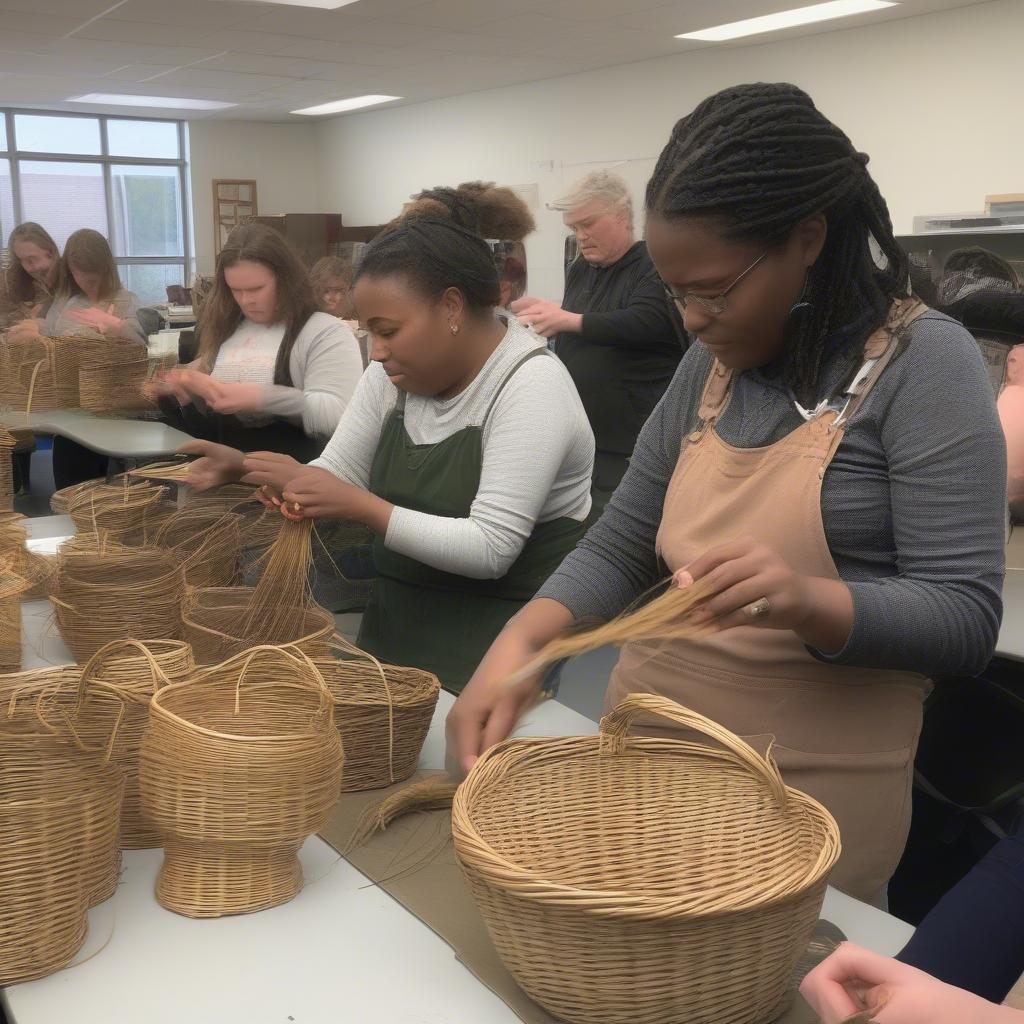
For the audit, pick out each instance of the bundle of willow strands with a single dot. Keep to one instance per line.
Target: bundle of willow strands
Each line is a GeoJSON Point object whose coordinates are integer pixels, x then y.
{"type": "Point", "coordinates": [7, 446]}
{"type": "Point", "coordinates": [284, 582]}
{"type": "Point", "coordinates": [124, 511]}
{"type": "Point", "coordinates": [111, 380]}
{"type": "Point", "coordinates": [239, 765]}
{"type": "Point", "coordinates": [214, 622]}
{"type": "Point", "coordinates": [207, 543]}
{"type": "Point", "coordinates": [172, 472]}
{"type": "Point", "coordinates": [260, 525]}
{"type": "Point", "coordinates": [129, 672]}
{"type": "Point", "coordinates": [664, 618]}
{"type": "Point", "coordinates": [37, 569]}
{"type": "Point", "coordinates": [381, 712]}
{"type": "Point", "coordinates": [434, 793]}
{"type": "Point", "coordinates": [111, 594]}
{"type": "Point", "coordinates": [12, 587]}
{"type": "Point", "coordinates": [649, 855]}
{"type": "Point", "coordinates": [36, 761]}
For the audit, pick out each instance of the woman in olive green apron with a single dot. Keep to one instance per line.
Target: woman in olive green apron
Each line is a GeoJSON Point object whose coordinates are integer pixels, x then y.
{"type": "Point", "coordinates": [465, 449]}
{"type": "Point", "coordinates": [826, 463]}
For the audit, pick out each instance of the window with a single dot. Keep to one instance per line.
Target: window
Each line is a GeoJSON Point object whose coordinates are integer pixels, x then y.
{"type": "Point", "coordinates": [122, 176]}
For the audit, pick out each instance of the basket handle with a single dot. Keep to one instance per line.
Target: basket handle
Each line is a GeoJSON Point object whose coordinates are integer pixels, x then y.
{"type": "Point", "coordinates": [290, 653]}
{"type": "Point", "coordinates": [93, 664]}
{"type": "Point", "coordinates": [615, 727]}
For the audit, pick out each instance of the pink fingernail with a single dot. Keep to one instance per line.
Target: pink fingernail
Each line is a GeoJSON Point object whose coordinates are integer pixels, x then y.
{"type": "Point", "coordinates": [683, 579]}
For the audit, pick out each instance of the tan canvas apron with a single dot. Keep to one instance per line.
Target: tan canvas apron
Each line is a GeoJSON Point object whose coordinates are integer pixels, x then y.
{"type": "Point", "coordinates": [847, 736]}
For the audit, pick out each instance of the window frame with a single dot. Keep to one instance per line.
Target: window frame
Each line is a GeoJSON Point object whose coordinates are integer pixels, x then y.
{"type": "Point", "coordinates": [14, 156]}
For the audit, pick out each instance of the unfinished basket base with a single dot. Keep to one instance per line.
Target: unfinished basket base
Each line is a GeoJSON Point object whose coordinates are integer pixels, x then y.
{"type": "Point", "coordinates": [206, 880]}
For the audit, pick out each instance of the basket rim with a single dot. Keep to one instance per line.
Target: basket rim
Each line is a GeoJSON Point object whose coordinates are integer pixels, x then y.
{"type": "Point", "coordinates": [523, 883]}
{"type": "Point", "coordinates": [157, 707]}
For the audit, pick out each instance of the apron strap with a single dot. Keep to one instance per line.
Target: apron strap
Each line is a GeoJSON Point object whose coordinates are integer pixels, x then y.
{"type": "Point", "coordinates": [715, 395]}
{"type": "Point", "coordinates": [508, 376]}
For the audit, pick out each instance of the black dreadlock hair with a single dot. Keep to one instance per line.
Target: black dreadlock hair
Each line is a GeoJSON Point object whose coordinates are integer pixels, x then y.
{"type": "Point", "coordinates": [760, 158]}
{"type": "Point", "coordinates": [435, 256]}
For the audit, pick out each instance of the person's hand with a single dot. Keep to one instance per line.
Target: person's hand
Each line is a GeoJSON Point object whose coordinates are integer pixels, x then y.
{"type": "Point", "coordinates": [26, 330]}
{"type": "Point", "coordinates": [546, 318]}
{"type": "Point", "coordinates": [854, 980]}
{"type": "Point", "coordinates": [488, 708]}
{"type": "Point", "coordinates": [746, 583]}
{"type": "Point", "coordinates": [217, 464]}
{"type": "Point", "coordinates": [270, 472]}
{"type": "Point", "coordinates": [230, 397]}
{"type": "Point", "coordinates": [102, 320]}
{"type": "Point", "coordinates": [165, 384]}
{"type": "Point", "coordinates": [316, 493]}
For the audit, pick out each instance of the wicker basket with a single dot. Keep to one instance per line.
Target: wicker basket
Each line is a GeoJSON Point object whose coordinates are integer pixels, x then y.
{"type": "Point", "coordinates": [207, 542]}
{"type": "Point", "coordinates": [37, 569]}
{"type": "Point", "coordinates": [117, 594]}
{"type": "Point", "coordinates": [239, 766]}
{"type": "Point", "coordinates": [260, 526]}
{"type": "Point", "coordinates": [61, 500]}
{"type": "Point", "coordinates": [648, 881]}
{"type": "Point", "coordinates": [124, 512]}
{"type": "Point", "coordinates": [40, 374]}
{"type": "Point", "coordinates": [7, 445]}
{"type": "Point", "coordinates": [111, 380]}
{"type": "Point", "coordinates": [214, 624]}
{"type": "Point", "coordinates": [382, 713]}
{"type": "Point", "coordinates": [35, 763]}
{"type": "Point", "coordinates": [12, 587]}
{"type": "Point", "coordinates": [131, 672]}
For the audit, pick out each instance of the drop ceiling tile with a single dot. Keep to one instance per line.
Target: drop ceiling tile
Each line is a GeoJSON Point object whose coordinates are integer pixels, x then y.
{"type": "Point", "coordinates": [243, 41]}
{"type": "Point", "coordinates": [78, 9]}
{"type": "Point", "coordinates": [33, 63]}
{"type": "Point", "coordinates": [112, 54]}
{"type": "Point", "coordinates": [299, 21]}
{"type": "Point", "coordinates": [194, 15]}
{"type": "Point", "coordinates": [115, 30]}
{"type": "Point", "coordinates": [371, 56]}
{"type": "Point", "coordinates": [137, 72]}
{"type": "Point", "coordinates": [449, 41]}
{"type": "Point", "coordinates": [465, 14]}
{"type": "Point", "coordinates": [380, 32]}
{"type": "Point", "coordinates": [231, 81]}
{"type": "Point", "coordinates": [51, 25]}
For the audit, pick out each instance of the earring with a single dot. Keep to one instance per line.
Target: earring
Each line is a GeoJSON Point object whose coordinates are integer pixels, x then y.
{"type": "Point", "coordinates": [803, 306]}
{"type": "Point", "coordinates": [453, 327]}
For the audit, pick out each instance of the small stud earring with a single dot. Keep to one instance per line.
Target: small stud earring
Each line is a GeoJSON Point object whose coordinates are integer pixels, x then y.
{"type": "Point", "coordinates": [454, 328]}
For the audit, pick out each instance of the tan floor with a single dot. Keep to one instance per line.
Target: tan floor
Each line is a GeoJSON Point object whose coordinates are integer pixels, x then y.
{"type": "Point", "coordinates": [1016, 997]}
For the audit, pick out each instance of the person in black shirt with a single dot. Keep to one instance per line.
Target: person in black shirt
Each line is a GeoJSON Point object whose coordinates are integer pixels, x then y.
{"type": "Point", "coordinates": [616, 332]}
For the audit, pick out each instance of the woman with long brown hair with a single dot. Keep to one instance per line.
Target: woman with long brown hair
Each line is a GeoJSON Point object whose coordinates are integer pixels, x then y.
{"type": "Point", "coordinates": [31, 276]}
{"type": "Point", "coordinates": [273, 372]}
{"type": "Point", "coordinates": [89, 293]}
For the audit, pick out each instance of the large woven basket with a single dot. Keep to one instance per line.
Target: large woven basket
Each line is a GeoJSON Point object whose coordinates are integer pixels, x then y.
{"type": "Point", "coordinates": [239, 766]}
{"type": "Point", "coordinates": [37, 763]}
{"type": "Point", "coordinates": [112, 593]}
{"type": "Point", "coordinates": [131, 672]}
{"type": "Point", "coordinates": [37, 569]}
{"type": "Point", "coordinates": [111, 381]}
{"type": "Point", "coordinates": [214, 624]}
{"type": "Point", "coordinates": [207, 542]}
{"type": "Point", "coordinates": [60, 500]}
{"type": "Point", "coordinates": [630, 880]}
{"type": "Point", "coordinates": [41, 374]}
{"type": "Point", "coordinates": [7, 445]}
{"type": "Point", "coordinates": [12, 587]}
{"type": "Point", "coordinates": [382, 713]}
{"type": "Point", "coordinates": [125, 512]}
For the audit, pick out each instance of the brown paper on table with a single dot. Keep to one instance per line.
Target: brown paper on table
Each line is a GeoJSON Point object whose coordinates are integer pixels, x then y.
{"type": "Point", "coordinates": [413, 861]}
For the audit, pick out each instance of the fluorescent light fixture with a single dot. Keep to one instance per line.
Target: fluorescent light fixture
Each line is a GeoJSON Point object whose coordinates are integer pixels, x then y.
{"type": "Point", "coordinates": [322, 5]}
{"type": "Point", "coordinates": [128, 100]}
{"type": "Point", "coordinates": [340, 106]}
{"type": "Point", "coordinates": [788, 19]}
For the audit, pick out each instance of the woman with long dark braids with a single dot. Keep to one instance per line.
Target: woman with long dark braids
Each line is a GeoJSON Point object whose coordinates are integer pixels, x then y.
{"type": "Point", "coordinates": [465, 449]}
{"type": "Point", "coordinates": [827, 466]}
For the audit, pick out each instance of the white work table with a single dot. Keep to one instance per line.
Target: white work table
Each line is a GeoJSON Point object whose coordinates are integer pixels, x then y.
{"type": "Point", "coordinates": [120, 438]}
{"type": "Point", "coordinates": [341, 952]}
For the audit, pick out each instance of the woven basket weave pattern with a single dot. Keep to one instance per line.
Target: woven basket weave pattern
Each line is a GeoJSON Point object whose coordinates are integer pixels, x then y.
{"type": "Point", "coordinates": [648, 881]}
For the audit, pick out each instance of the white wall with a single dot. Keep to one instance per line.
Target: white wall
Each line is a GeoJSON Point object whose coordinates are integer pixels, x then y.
{"type": "Point", "coordinates": [281, 157]}
{"type": "Point", "coordinates": [932, 99]}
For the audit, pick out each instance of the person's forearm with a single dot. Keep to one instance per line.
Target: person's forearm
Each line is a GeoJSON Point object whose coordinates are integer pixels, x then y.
{"type": "Point", "coordinates": [522, 639]}
{"type": "Point", "coordinates": [371, 511]}
{"type": "Point", "coordinates": [829, 618]}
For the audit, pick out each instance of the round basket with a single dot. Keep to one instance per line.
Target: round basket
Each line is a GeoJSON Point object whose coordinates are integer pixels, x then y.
{"type": "Point", "coordinates": [381, 712]}
{"type": "Point", "coordinates": [116, 594]}
{"type": "Point", "coordinates": [37, 569]}
{"type": "Point", "coordinates": [131, 672]}
{"type": "Point", "coordinates": [214, 622]}
{"type": "Point", "coordinates": [61, 500]}
{"type": "Point", "coordinates": [207, 542]}
{"type": "Point", "coordinates": [239, 766]}
{"type": "Point", "coordinates": [642, 880]}
{"type": "Point", "coordinates": [122, 511]}
{"type": "Point", "coordinates": [111, 381]}
{"type": "Point", "coordinates": [36, 764]}
{"type": "Point", "coordinates": [12, 587]}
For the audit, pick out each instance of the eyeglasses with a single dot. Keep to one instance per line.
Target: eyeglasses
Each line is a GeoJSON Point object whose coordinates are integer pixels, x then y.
{"type": "Point", "coordinates": [714, 304]}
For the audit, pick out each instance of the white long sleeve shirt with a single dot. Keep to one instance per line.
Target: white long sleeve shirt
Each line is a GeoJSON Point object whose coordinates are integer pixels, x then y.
{"type": "Point", "coordinates": [538, 455]}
